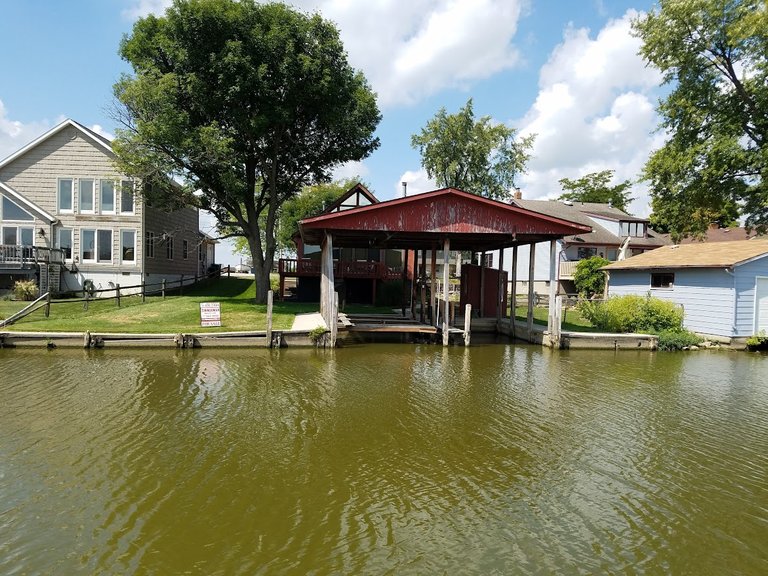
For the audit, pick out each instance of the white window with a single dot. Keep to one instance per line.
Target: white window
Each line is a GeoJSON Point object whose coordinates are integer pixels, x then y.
{"type": "Point", "coordinates": [128, 246]}
{"type": "Point", "coordinates": [87, 202]}
{"type": "Point", "coordinates": [88, 245]}
{"type": "Point", "coordinates": [96, 246]}
{"type": "Point", "coordinates": [12, 211]}
{"type": "Point", "coordinates": [126, 197]}
{"type": "Point", "coordinates": [65, 195]}
{"type": "Point", "coordinates": [149, 249]}
{"type": "Point", "coordinates": [169, 247]}
{"type": "Point", "coordinates": [27, 236]}
{"type": "Point", "coordinates": [64, 242]}
{"type": "Point", "coordinates": [18, 236]}
{"type": "Point", "coordinates": [104, 251]}
{"type": "Point", "coordinates": [107, 197]}
{"type": "Point", "coordinates": [185, 249]}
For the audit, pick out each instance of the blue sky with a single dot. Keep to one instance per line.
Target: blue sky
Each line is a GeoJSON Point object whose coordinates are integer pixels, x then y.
{"type": "Point", "coordinates": [566, 70]}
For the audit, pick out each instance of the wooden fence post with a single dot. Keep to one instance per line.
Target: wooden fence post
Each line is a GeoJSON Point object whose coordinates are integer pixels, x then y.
{"type": "Point", "coordinates": [270, 296]}
{"type": "Point", "coordinates": [87, 298]}
{"type": "Point", "coordinates": [47, 304]}
{"type": "Point", "coordinates": [163, 288]}
{"type": "Point", "coordinates": [117, 293]}
{"type": "Point", "coordinates": [143, 291]}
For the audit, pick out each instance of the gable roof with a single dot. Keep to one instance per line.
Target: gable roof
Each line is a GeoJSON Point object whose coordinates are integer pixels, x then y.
{"type": "Point", "coordinates": [581, 211]}
{"type": "Point", "coordinates": [724, 235]}
{"type": "Point", "coordinates": [97, 138]}
{"type": "Point", "coordinates": [423, 221]}
{"type": "Point", "coordinates": [718, 255]}
{"type": "Point", "coordinates": [357, 188]}
{"type": "Point", "coordinates": [28, 205]}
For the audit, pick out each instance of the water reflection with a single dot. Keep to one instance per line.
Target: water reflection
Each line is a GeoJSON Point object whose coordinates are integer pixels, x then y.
{"type": "Point", "coordinates": [407, 459]}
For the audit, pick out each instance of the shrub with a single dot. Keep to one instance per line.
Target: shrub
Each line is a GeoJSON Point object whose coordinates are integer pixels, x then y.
{"type": "Point", "coordinates": [633, 314]}
{"type": "Point", "coordinates": [677, 339]}
{"type": "Point", "coordinates": [758, 342]}
{"type": "Point", "coordinates": [588, 277]}
{"type": "Point", "coordinates": [25, 290]}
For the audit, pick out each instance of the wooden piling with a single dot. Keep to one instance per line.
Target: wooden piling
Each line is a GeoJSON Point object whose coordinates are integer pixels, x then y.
{"type": "Point", "coordinates": [467, 323]}
{"type": "Point", "coordinates": [270, 296]}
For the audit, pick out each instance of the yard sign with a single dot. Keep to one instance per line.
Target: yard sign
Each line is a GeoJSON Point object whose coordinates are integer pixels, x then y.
{"type": "Point", "coordinates": [210, 314]}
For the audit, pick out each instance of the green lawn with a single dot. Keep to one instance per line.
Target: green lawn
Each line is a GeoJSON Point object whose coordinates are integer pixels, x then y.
{"type": "Point", "coordinates": [572, 320]}
{"type": "Point", "coordinates": [174, 314]}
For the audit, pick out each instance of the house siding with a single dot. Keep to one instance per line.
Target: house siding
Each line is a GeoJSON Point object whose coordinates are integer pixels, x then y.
{"type": "Point", "coordinates": [182, 224]}
{"type": "Point", "coordinates": [745, 280]}
{"type": "Point", "coordinates": [72, 153]}
{"type": "Point", "coordinates": [706, 295]}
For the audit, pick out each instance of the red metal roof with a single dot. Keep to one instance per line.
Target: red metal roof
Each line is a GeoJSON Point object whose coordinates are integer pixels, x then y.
{"type": "Point", "coordinates": [424, 221]}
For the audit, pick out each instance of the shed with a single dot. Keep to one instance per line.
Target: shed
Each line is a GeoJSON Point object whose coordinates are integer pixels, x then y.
{"type": "Point", "coordinates": [722, 287]}
{"type": "Point", "coordinates": [442, 219]}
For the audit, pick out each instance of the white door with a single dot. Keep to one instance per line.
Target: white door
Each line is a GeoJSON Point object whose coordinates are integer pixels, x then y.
{"type": "Point", "coordinates": [761, 304]}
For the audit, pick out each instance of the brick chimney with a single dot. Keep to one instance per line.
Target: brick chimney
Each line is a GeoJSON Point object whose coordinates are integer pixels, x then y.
{"type": "Point", "coordinates": [518, 195]}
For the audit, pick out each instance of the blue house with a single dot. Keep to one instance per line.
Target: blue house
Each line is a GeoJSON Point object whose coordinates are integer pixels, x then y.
{"type": "Point", "coordinates": [722, 287]}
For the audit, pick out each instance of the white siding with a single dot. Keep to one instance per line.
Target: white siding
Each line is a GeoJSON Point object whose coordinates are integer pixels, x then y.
{"type": "Point", "coordinates": [706, 295]}
{"type": "Point", "coordinates": [745, 294]}
{"type": "Point", "coordinates": [611, 225]}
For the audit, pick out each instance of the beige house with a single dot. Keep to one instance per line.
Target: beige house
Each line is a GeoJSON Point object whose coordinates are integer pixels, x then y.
{"type": "Point", "coordinates": [67, 217]}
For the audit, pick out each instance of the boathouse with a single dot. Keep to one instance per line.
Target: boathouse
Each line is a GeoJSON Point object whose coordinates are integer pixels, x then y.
{"type": "Point", "coordinates": [441, 220]}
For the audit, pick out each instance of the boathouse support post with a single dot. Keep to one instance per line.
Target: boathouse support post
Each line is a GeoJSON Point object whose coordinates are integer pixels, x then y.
{"type": "Point", "coordinates": [467, 323]}
{"type": "Point", "coordinates": [446, 267]}
{"type": "Point", "coordinates": [405, 281]}
{"type": "Point", "coordinates": [481, 312]}
{"type": "Point", "coordinates": [432, 286]}
{"type": "Point", "coordinates": [326, 280]}
{"type": "Point", "coordinates": [501, 289]}
{"type": "Point", "coordinates": [553, 324]}
{"type": "Point", "coordinates": [513, 297]}
{"type": "Point", "coordinates": [423, 289]}
{"type": "Point", "coordinates": [531, 293]}
{"type": "Point", "coordinates": [334, 325]}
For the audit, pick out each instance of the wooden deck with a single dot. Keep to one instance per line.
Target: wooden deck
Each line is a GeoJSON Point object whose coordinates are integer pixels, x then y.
{"type": "Point", "coordinates": [384, 323]}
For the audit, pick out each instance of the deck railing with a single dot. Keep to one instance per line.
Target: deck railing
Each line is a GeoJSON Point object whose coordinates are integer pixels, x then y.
{"type": "Point", "coordinates": [17, 256]}
{"type": "Point", "coordinates": [341, 269]}
{"type": "Point", "coordinates": [568, 269]}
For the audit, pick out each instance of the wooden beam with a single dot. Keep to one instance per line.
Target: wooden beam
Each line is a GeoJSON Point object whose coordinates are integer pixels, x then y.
{"type": "Point", "coordinates": [513, 297]}
{"type": "Point", "coordinates": [327, 288]}
{"type": "Point", "coordinates": [432, 285]}
{"type": "Point", "coordinates": [446, 278]}
{"type": "Point", "coordinates": [551, 311]}
{"type": "Point", "coordinates": [481, 312]}
{"type": "Point", "coordinates": [531, 295]}
{"type": "Point", "coordinates": [501, 288]}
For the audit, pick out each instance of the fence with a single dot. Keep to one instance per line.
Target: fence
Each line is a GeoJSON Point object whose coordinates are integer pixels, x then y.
{"type": "Point", "coordinates": [89, 294]}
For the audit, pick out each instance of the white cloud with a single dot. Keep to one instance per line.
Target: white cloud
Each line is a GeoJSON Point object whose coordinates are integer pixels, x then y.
{"type": "Point", "coordinates": [418, 182]}
{"type": "Point", "coordinates": [141, 8]}
{"type": "Point", "coordinates": [99, 129]}
{"type": "Point", "coordinates": [351, 170]}
{"type": "Point", "coordinates": [594, 111]}
{"type": "Point", "coordinates": [15, 134]}
{"type": "Point", "coordinates": [411, 49]}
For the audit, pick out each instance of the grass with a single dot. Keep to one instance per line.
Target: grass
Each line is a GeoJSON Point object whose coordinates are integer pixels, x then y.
{"type": "Point", "coordinates": [572, 320]}
{"type": "Point", "coordinates": [174, 314]}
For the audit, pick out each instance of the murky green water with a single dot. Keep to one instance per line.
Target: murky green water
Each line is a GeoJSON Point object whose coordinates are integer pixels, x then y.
{"type": "Point", "coordinates": [386, 459]}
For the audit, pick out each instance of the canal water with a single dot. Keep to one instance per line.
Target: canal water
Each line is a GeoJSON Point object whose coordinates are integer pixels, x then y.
{"type": "Point", "coordinates": [383, 459]}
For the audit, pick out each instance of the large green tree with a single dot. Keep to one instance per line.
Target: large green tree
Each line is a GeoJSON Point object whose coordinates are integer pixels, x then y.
{"type": "Point", "coordinates": [596, 187]}
{"type": "Point", "coordinates": [713, 54]}
{"type": "Point", "coordinates": [246, 103]}
{"type": "Point", "coordinates": [475, 156]}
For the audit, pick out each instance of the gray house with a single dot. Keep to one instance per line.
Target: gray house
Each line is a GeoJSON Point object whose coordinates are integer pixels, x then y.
{"type": "Point", "coordinates": [67, 216]}
{"type": "Point", "coordinates": [722, 287]}
{"type": "Point", "coordinates": [611, 229]}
